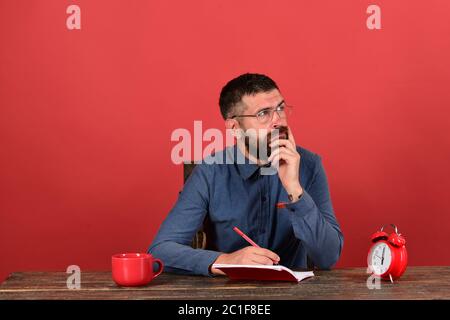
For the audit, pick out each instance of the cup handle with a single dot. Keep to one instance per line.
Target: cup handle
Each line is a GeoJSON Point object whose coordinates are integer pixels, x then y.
{"type": "Point", "coordinates": [161, 267]}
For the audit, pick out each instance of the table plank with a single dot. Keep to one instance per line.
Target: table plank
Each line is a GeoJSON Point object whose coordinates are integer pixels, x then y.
{"type": "Point", "coordinates": [349, 283]}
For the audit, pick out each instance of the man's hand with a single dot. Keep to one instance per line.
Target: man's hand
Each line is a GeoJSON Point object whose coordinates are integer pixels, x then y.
{"type": "Point", "coordinates": [247, 255]}
{"type": "Point", "coordinates": [288, 159]}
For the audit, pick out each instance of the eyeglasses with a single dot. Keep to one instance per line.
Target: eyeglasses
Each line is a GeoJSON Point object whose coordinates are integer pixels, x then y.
{"type": "Point", "coordinates": [266, 115]}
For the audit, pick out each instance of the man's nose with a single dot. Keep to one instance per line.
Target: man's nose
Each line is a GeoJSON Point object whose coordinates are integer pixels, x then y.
{"type": "Point", "coordinates": [276, 119]}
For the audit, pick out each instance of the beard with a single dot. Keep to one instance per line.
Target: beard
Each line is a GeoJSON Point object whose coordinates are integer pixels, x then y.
{"type": "Point", "coordinates": [259, 147]}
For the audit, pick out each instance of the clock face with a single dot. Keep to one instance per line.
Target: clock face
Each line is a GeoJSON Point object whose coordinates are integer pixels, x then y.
{"type": "Point", "coordinates": [380, 258]}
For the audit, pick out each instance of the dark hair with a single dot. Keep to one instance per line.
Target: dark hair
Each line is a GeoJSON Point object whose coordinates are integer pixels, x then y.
{"type": "Point", "coordinates": [246, 84]}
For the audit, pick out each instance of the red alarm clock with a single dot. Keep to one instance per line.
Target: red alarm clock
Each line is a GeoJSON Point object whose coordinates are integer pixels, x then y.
{"type": "Point", "coordinates": [387, 256]}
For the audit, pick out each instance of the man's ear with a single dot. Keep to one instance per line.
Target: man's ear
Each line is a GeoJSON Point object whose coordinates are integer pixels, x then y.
{"type": "Point", "coordinates": [233, 125]}
{"type": "Point", "coordinates": [230, 124]}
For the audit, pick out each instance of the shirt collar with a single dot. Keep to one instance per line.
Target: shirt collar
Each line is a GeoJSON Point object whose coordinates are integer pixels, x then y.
{"type": "Point", "coordinates": [247, 169]}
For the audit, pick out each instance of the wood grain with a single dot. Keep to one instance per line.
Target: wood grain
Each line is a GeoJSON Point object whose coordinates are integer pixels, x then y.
{"type": "Point", "coordinates": [416, 283]}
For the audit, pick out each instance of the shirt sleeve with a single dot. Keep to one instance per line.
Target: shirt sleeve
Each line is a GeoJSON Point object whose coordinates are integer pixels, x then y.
{"type": "Point", "coordinates": [314, 222]}
{"type": "Point", "coordinates": [172, 243]}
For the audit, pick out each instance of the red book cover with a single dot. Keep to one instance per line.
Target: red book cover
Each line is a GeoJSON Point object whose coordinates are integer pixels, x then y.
{"type": "Point", "coordinates": [262, 272]}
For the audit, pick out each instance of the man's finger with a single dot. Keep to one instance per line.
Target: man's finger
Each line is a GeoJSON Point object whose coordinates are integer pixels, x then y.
{"type": "Point", "coordinates": [291, 136]}
{"type": "Point", "coordinates": [261, 259]}
{"type": "Point", "coordinates": [283, 153]}
{"type": "Point", "coordinates": [283, 143]}
{"type": "Point", "coordinates": [267, 253]}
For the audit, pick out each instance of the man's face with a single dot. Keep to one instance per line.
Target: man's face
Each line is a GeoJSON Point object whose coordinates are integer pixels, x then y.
{"type": "Point", "coordinates": [254, 104]}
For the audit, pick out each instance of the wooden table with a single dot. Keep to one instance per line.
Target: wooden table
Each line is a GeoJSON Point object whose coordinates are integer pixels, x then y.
{"type": "Point", "coordinates": [416, 283]}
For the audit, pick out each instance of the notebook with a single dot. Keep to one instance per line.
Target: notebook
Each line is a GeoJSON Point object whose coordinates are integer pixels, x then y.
{"type": "Point", "coordinates": [262, 272]}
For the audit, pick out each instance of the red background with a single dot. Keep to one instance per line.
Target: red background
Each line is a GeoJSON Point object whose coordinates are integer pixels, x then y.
{"type": "Point", "coordinates": [86, 116]}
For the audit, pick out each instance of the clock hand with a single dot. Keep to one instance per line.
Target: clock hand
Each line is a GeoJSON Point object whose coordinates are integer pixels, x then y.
{"type": "Point", "coordinates": [382, 255]}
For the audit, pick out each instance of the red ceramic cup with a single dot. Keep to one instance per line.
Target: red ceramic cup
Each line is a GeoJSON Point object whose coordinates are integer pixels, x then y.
{"type": "Point", "coordinates": [134, 269]}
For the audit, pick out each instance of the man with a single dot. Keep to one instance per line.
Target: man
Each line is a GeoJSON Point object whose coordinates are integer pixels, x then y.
{"type": "Point", "coordinates": [304, 228]}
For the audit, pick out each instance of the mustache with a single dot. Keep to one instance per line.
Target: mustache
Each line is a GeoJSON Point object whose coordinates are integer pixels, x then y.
{"type": "Point", "coordinates": [280, 132]}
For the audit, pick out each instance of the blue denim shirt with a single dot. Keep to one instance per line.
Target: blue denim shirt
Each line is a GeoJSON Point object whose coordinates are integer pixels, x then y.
{"type": "Point", "coordinates": [239, 195]}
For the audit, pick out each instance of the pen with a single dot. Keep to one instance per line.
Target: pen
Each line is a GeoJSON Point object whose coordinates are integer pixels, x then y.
{"type": "Point", "coordinates": [243, 235]}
